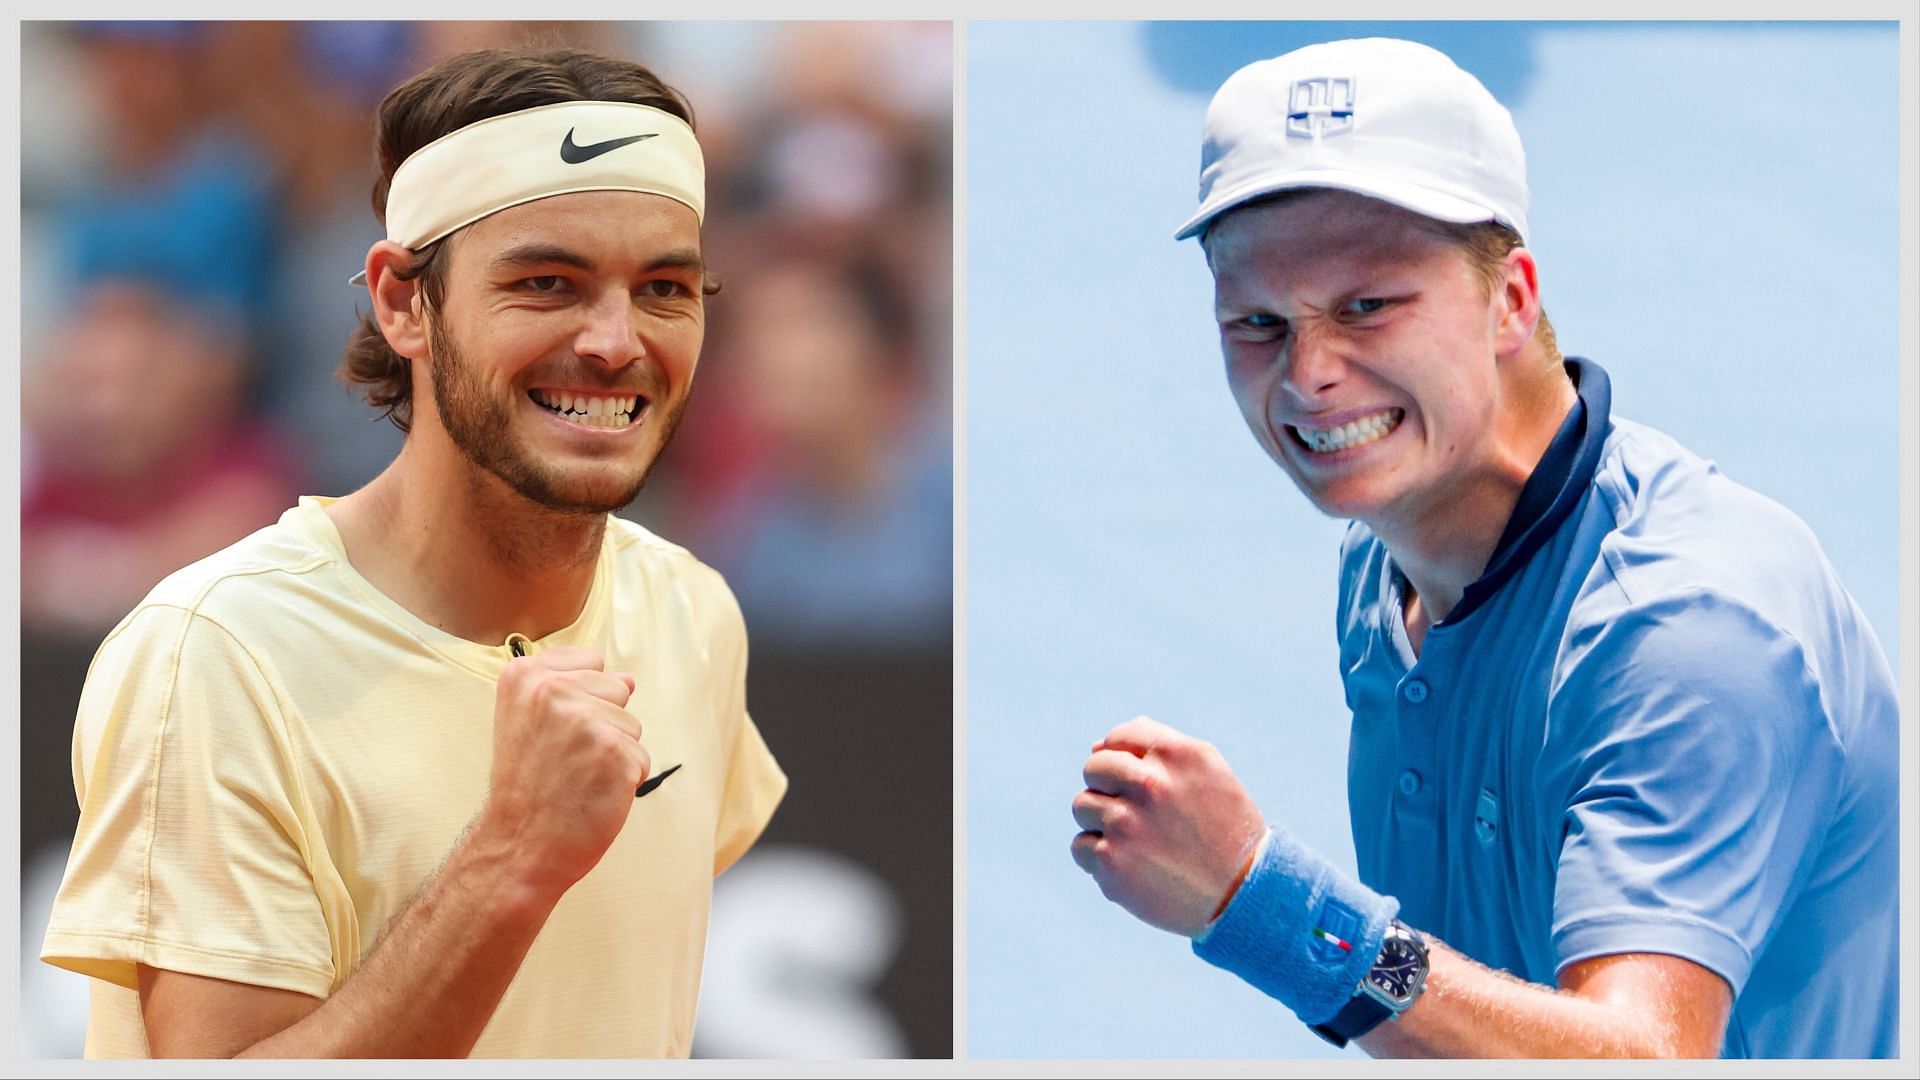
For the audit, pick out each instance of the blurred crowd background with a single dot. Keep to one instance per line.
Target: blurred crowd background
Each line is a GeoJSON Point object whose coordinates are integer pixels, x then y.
{"type": "Point", "coordinates": [194, 197]}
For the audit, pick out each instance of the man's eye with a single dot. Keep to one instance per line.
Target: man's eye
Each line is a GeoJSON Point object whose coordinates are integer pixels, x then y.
{"type": "Point", "coordinates": [666, 289]}
{"type": "Point", "coordinates": [1365, 305]}
{"type": "Point", "coordinates": [544, 283]}
{"type": "Point", "coordinates": [1264, 323]}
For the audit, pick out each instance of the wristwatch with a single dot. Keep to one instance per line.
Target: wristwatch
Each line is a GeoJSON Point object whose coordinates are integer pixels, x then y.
{"type": "Point", "coordinates": [1398, 975]}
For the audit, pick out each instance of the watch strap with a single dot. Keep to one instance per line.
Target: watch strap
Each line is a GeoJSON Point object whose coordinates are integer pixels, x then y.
{"type": "Point", "coordinates": [1361, 1014]}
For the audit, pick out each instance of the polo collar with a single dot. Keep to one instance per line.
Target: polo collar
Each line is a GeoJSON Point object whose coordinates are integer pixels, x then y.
{"type": "Point", "coordinates": [1560, 479]}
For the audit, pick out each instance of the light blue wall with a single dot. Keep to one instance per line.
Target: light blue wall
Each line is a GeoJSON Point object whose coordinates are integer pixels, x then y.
{"type": "Point", "coordinates": [1715, 216]}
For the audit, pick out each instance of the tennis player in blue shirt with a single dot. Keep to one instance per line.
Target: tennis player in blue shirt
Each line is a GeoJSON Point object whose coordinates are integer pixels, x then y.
{"type": "Point", "coordinates": [1623, 772]}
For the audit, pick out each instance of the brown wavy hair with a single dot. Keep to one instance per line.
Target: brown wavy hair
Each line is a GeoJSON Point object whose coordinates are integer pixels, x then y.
{"type": "Point", "coordinates": [439, 101]}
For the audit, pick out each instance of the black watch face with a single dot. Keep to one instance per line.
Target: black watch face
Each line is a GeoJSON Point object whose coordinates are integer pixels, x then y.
{"type": "Point", "coordinates": [1396, 969]}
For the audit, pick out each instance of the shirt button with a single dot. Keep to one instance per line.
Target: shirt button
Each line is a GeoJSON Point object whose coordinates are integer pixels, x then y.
{"type": "Point", "coordinates": [1415, 691]}
{"type": "Point", "coordinates": [1409, 782]}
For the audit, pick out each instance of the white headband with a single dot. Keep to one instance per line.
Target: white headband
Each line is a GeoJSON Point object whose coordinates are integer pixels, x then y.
{"type": "Point", "coordinates": [557, 149]}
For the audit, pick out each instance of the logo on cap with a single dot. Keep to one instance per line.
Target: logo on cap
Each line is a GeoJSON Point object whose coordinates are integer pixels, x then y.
{"type": "Point", "coordinates": [1317, 107]}
{"type": "Point", "coordinates": [574, 154]}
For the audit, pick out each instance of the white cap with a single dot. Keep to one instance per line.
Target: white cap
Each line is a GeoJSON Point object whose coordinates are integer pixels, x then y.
{"type": "Point", "coordinates": [1395, 120]}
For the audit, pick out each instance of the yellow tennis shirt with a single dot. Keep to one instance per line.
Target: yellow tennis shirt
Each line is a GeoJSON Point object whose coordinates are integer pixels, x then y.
{"type": "Point", "coordinates": [271, 757]}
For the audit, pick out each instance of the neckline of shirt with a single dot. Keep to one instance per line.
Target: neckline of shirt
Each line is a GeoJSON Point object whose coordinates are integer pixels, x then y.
{"type": "Point", "coordinates": [309, 519]}
{"type": "Point", "coordinates": [1551, 492]}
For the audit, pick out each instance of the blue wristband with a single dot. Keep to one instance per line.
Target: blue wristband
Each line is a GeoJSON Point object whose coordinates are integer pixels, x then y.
{"type": "Point", "coordinates": [1299, 930]}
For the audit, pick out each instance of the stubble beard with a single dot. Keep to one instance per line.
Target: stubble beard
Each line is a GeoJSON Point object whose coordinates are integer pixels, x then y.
{"type": "Point", "coordinates": [482, 430]}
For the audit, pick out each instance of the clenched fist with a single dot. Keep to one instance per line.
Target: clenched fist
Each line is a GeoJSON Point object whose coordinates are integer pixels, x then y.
{"type": "Point", "coordinates": [566, 760]}
{"type": "Point", "coordinates": [1168, 828]}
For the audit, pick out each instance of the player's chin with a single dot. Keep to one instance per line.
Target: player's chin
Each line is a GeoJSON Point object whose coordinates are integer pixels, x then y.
{"type": "Point", "coordinates": [1349, 498]}
{"type": "Point", "coordinates": [595, 488]}
{"type": "Point", "coordinates": [1343, 490]}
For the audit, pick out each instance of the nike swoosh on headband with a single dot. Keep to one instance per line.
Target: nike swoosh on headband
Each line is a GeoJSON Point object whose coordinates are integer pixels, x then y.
{"type": "Point", "coordinates": [574, 154]}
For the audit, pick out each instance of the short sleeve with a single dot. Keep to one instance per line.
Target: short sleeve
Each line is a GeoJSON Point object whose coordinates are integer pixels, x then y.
{"type": "Point", "coordinates": [755, 782]}
{"type": "Point", "coordinates": [755, 785]}
{"type": "Point", "coordinates": [1701, 777]}
{"type": "Point", "coordinates": [190, 852]}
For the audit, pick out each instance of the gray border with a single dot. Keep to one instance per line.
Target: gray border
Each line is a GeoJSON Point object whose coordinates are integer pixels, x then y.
{"type": "Point", "coordinates": [1909, 660]}
{"type": "Point", "coordinates": [958, 306]}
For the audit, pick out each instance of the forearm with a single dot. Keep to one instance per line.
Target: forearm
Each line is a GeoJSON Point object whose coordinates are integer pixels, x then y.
{"type": "Point", "coordinates": [1469, 1010]}
{"type": "Point", "coordinates": [431, 984]}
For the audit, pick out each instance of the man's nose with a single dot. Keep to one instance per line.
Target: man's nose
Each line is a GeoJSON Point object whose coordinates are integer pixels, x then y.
{"type": "Point", "coordinates": [1315, 363]}
{"type": "Point", "coordinates": [611, 332]}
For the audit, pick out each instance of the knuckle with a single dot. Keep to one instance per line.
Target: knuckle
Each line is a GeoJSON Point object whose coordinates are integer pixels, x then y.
{"type": "Point", "coordinates": [1180, 750]}
{"type": "Point", "coordinates": [1151, 781]}
{"type": "Point", "coordinates": [541, 685]}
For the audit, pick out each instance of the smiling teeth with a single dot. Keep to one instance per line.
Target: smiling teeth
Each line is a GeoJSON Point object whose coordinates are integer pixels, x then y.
{"type": "Point", "coordinates": [589, 410]}
{"type": "Point", "coordinates": [1358, 433]}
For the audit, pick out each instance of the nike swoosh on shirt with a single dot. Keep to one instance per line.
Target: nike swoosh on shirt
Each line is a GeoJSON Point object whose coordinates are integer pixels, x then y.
{"type": "Point", "coordinates": [574, 154]}
{"type": "Point", "coordinates": [655, 781]}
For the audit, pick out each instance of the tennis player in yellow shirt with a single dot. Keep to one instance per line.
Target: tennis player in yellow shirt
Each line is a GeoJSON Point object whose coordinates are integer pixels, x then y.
{"type": "Point", "coordinates": [364, 784]}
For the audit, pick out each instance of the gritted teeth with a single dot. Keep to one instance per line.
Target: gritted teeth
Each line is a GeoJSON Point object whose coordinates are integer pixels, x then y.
{"type": "Point", "coordinates": [1354, 433]}
{"type": "Point", "coordinates": [591, 410]}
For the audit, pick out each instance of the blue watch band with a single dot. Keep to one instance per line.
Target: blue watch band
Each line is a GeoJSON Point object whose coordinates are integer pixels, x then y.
{"type": "Point", "coordinates": [1361, 1015]}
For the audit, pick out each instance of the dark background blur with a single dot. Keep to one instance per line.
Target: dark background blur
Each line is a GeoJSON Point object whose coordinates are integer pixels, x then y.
{"type": "Point", "coordinates": [193, 199]}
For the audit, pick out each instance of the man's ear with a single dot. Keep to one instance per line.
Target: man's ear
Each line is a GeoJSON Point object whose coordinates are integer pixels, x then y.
{"type": "Point", "coordinates": [398, 306]}
{"type": "Point", "coordinates": [1518, 309]}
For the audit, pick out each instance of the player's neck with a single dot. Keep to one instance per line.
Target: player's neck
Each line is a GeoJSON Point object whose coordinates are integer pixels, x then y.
{"type": "Point", "coordinates": [469, 555]}
{"type": "Point", "coordinates": [1441, 556]}
{"type": "Point", "coordinates": [1444, 540]}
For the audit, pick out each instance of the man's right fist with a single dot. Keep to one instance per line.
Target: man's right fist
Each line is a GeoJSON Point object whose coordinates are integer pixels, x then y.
{"type": "Point", "coordinates": [1167, 829]}
{"type": "Point", "coordinates": [566, 760]}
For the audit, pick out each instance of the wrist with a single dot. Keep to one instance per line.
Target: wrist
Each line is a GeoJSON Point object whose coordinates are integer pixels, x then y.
{"type": "Point", "coordinates": [1233, 889]}
{"type": "Point", "coordinates": [1391, 986]}
{"type": "Point", "coordinates": [1299, 929]}
{"type": "Point", "coordinates": [490, 861]}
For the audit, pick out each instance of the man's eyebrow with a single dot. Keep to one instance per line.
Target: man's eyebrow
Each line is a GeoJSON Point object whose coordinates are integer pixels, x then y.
{"type": "Point", "coordinates": [534, 253]}
{"type": "Point", "coordinates": [678, 259]}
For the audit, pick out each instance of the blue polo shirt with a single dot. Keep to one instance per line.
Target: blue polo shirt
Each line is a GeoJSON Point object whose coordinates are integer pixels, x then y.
{"type": "Point", "coordinates": [1657, 723]}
